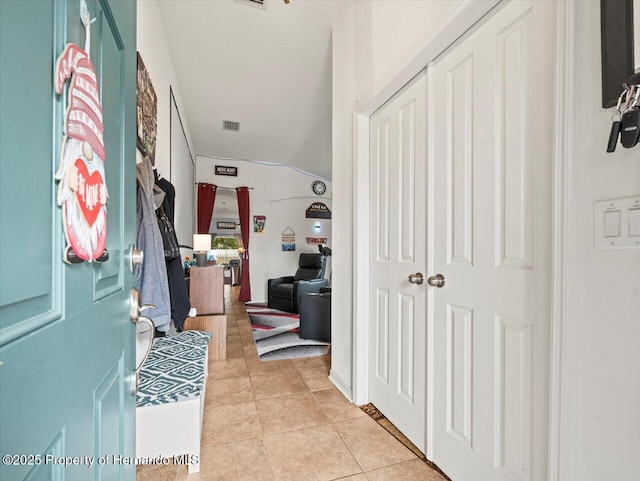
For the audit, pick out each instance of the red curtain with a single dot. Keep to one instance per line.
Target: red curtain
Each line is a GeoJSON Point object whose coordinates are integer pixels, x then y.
{"type": "Point", "coordinates": [206, 199]}
{"type": "Point", "coordinates": [243, 210]}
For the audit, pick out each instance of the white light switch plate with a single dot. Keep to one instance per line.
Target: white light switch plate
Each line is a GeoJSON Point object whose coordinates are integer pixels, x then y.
{"type": "Point", "coordinates": [615, 223]}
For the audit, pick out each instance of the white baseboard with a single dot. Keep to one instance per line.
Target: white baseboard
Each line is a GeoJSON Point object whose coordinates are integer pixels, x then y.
{"type": "Point", "coordinates": [341, 385]}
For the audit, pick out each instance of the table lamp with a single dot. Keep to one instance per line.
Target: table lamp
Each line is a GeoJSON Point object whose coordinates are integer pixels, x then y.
{"type": "Point", "coordinates": [201, 244]}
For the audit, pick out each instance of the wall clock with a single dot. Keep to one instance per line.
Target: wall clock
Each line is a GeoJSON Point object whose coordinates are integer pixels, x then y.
{"type": "Point", "coordinates": [319, 187]}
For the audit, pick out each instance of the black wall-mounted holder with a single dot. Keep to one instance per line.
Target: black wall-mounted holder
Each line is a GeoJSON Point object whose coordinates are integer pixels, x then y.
{"type": "Point", "coordinates": [617, 43]}
{"type": "Point", "coordinates": [616, 28]}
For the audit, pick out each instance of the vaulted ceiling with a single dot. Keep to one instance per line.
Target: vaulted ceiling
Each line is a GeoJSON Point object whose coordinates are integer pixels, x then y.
{"type": "Point", "coordinates": [268, 69]}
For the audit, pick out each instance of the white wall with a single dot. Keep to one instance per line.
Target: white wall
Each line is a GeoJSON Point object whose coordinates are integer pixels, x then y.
{"type": "Point", "coordinates": [154, 50]}
{"type": "Point", "coordinates": [181, 175]}
{"type": "Point", "coordinates": [282, 195]}
{"type": "Point", "coordinates": [389, 33]}
{"type": "Point", "coordinates": [603, 380]}
{"type": "Point", "coordinates": [372, 41]}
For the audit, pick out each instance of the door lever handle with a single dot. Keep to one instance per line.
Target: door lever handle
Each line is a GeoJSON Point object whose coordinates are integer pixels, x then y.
{"type": "Point", "coordinates": [135, 306]}
{"type": "Point", "coordinates": [152, 327]}
{"type": "Point", "coordinates": [135, 309]}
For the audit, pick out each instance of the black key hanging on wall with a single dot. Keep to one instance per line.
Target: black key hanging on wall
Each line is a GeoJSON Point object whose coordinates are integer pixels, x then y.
{"type": "Point", "coordinates": [630, 128]}
{"type": "Point", "coordinates": [627, 127]}
{"type": "Point", "coordinates": [614, 136]}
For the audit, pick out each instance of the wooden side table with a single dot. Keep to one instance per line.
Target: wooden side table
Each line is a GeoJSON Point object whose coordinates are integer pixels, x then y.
{"type": "Point", "coordinates": [206, 289]}
{"type": "Point", "coordinates": [218, 326]}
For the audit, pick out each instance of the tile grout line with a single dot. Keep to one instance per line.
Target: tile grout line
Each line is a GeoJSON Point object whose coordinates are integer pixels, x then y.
{"type": "Point", "coordinates": [262, 435]}
{"type": "Point", "coordinates": [348, 449]}
{"type": "Point", "coordinates": [266, 452]}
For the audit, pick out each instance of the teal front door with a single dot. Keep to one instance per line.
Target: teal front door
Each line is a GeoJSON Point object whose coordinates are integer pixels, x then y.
{"type": "Point", "coordinates": [67, 347]}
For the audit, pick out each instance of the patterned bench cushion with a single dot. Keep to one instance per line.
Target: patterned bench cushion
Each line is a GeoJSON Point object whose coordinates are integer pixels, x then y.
{"type": "Point", "coordinates": [174, 369]}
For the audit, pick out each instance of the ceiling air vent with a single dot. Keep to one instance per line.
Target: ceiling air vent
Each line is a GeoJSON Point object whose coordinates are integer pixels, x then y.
{"type": "Point", "coordinates": [254, 3]}
{"type": "Point", "coordinates": [229, 125]}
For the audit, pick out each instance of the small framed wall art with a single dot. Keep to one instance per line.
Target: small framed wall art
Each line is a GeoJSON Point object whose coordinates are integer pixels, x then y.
{"type": "Point", "coordinates": [259, 221]}
{"type": "Point", "coordinates": [288, 240]}
{"type": "Point", "coordinates": [146, 112]}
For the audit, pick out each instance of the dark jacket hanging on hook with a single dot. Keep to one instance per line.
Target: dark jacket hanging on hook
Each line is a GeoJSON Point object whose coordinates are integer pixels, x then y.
{"type": "Point", "coordinates": [180, 304]}
{"type": "Point", "coordinates": [169, 203]}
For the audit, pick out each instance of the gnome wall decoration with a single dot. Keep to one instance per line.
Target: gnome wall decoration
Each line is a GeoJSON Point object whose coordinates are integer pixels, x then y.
{"type": "Point", "coordinates": [82, 192]}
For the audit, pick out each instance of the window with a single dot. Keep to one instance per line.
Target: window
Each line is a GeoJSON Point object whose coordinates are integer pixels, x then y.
{"type": "Point", "coordinates": [221, 242]}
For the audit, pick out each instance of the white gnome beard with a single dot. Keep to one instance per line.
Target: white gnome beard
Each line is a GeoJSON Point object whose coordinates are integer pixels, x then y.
{"type": "Point", "coordinates": [86, 236]}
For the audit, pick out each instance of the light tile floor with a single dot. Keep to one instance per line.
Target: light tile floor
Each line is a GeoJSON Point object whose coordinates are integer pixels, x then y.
{"type": "Point", "coordinates": [285, 421]}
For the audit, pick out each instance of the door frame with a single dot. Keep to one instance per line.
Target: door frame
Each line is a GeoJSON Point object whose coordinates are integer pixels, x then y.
{"type": "Point", "coordinates": [457, 20]}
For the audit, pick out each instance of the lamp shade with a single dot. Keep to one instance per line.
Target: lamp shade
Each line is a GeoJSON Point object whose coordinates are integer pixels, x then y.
{"type": "Point", "coordinates": [201, 242]}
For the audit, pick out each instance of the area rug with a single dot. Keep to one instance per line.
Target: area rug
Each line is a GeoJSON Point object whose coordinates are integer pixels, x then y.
{"type": "Point", "coordinates": [277, 335]}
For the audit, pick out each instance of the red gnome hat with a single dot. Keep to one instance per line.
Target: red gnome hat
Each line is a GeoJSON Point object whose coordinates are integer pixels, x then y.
{"type": "Point", "coordinates": [84, 115]}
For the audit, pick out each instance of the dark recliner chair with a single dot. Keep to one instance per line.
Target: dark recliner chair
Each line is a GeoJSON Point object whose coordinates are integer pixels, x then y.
{"type": "Point", "coordinates": [284, 292]}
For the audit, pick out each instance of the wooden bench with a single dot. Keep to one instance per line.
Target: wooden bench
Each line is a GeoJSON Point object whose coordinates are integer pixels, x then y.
{"type": "Point", "coordinates": [170, 399]}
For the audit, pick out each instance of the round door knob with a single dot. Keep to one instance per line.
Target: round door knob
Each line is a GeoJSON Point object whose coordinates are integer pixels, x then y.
{"type": "Point", "coordinates": [136, 257]}
{"type": "Point", "coordinates": [436, 281]}
{"type": "Point", "coordinates": [416, 278]}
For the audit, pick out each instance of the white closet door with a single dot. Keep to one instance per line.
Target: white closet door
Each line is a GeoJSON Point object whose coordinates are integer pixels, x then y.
{"type": "Point", "coordinates": [490, 119]}
{"type": "Point", "coordinates": [397, 233]}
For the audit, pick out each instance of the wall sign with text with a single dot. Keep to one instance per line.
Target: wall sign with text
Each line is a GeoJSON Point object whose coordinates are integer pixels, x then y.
{"type": "Point", "coordinates": [316, 240]}
{"type": "Point", "coordinates": [226, 225]}
{"type": "Point", "coordinates": [229, 171]}
{"type": "Point", "coordinates": [318, 210]}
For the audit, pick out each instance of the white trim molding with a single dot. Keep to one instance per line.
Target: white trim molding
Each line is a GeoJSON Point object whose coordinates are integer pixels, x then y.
{"type": "Point", "coordinates": [264, 162]}
{"type": "Point", "coordinates": [361, 261]}
{"type": "Point", "coordinates": [339, 383]}
{"type": "Point", "coordinates": [563, 231]}
{"type": "Point", "coordinates": [430, 349]}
